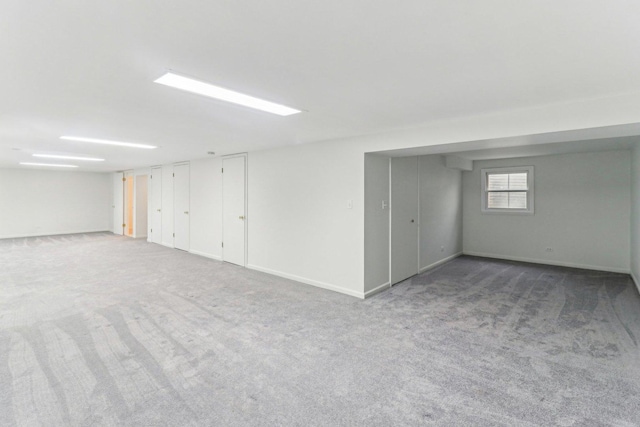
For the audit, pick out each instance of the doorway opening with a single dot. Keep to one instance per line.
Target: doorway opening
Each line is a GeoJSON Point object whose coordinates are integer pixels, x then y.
{"type": "Point", "coordinates": [129, 205]}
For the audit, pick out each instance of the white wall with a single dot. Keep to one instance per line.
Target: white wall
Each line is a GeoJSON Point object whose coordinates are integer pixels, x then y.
{"type": "Point", "coordinates": [440, 211]}
{"type": "Point", "coordinates": [299, 220]}
{"type": "Point", "coordinates": [206, 207]}
{"type": "Point", "coordinates": [41, 202]}
{"type": "Point", "coordinates": [635, 214]}
{"type": "Point", "coordinates": [376, 222]}
{"type": "Point", "coordinates": [299, 225]}
{"type": "Point", "coordinates": [582, 211]}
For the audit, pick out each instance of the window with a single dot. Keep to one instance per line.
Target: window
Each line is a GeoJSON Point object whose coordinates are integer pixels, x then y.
{"type": "Point", "coordinates": [507, 190]}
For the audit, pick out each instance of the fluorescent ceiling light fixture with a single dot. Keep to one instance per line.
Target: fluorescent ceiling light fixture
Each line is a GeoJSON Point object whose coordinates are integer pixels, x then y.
{"type": "Point", "coordinates": [53, 156]}
{"type": "Point", "coordinates": [206, 89]}
{"type": "Point", "coordinates": [108, 142]}
{"type": "Point", "coordinates": [48, 164]}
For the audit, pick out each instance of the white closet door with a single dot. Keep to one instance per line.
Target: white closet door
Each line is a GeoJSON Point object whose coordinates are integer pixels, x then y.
{"type": "Point", "coordinates": [405, 215]}
{"type": "Point", "coordinates": [233, 210]}
{"type": "Point", "coordinates": [181, 206]}
{"type": "Point", "coordinates": [167, 203]}
{"type": "Point", "coordinates": [118, 203]}
{"type": "Point", "coordinates": [155, 205]}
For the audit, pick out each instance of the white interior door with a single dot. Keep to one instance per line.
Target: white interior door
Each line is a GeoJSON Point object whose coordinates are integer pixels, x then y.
{"type": "Point", "coordinates": [405, 214]}
{"type": "Point", "coordinates": [118, 203]}
{"type": "Point", "coordinates": [155, 205]}
{"type": "Point", "coordinates": [181, 207]}
{"type": "Point", "coordinates": [141, 228]}
{"type": "Point", "coordinates": [234, 209]}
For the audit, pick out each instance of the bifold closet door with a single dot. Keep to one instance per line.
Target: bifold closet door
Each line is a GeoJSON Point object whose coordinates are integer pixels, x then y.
{"type": "Point", "coordinates": [181, 207]}
{"type": "Point", "coordinates": [155, 205]}
{"type": "Point", "coordinates": [233, 210]}
{"type": "Point", "coordinates": [405, 216]}
{"type": "Point", "coordinates": [118, 203]}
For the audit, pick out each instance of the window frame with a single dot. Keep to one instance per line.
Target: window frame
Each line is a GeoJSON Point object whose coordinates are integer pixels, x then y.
{"type": "Point", "coordinates": [484, 173]}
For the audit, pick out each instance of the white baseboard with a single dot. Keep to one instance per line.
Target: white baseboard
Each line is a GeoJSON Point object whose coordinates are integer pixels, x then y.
{"type": "Point", "coordinates": [167, 245]}
{"type": "Point", "coordinates": [550, 262]}
{"type": "Point", "coordinates": [635, 280]}
{"type": "Point", "coordinates": [309, 281]}
{"type": "Point", "coordinates": [56, 233]}
{"type": "Point", "coordinates": [206, 255]}
{"type": "Point", "coordinates": [442, 261]}
{"type": "Point", "coordinates": [377, 290]}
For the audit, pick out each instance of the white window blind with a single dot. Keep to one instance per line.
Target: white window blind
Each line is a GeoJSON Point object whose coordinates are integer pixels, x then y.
{"type": "Point", "coordinates": [508, 190]}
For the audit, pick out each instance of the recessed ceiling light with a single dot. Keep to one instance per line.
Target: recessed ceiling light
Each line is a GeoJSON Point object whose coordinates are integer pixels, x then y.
{"type": "Point", "coordinates": [53, 156]}
{"type": "Point", "coordinates": [108, 142]}
{"type": "Point", "coordinates": [48, 164]}
{"type": "Point", "coordinates": [223, 94]}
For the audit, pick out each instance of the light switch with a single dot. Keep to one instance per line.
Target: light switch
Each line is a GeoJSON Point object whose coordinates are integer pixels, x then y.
{"type": "Point", "coordinates": [350, 204]}
{"type": "Point", "coordinates": [384, 205]}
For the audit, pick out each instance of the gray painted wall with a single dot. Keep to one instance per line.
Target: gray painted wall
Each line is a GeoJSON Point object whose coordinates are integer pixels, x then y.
{"type": "Point", "coordinates": [582, 211]}
{"type": "Point", "coordinates": [376, 221]}
{"type": "Point", "coordinates": [440, 215]}
{"type": "Point", "coordinates": [440, 210]}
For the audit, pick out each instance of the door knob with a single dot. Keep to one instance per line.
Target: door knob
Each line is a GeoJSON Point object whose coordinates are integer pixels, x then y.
{"type": "Point", "coordinates": [412, 221]}
{"type": "Point", "coordinates": [241, 217]}
{"type": "Point", "coordinates": [158, 210]}
{"type": "Point", "coordinates": [186, 212]}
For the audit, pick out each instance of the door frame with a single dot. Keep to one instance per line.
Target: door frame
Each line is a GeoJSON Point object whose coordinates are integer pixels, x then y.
{"type": "Point", "coordinates": [246, 202]}
{"type": "Point", "coordinates": [419, 227]}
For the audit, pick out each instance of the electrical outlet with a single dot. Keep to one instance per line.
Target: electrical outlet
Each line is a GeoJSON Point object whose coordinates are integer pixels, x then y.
{"type": "Point", "coordinates": [549, 249]}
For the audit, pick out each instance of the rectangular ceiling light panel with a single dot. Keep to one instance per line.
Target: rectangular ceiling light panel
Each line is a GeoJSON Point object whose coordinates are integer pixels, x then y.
{"type": "Point", "coordinates": [107, 142]}
{"type": "Point", "coordinates": [48, 164]}
{"type": "Point", "coordinates": [53, 156]}
{"type": "Point", "coordinates": [206, 89]}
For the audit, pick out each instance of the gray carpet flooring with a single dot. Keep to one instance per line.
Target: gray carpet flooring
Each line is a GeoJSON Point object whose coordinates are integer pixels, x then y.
{"type": "Point", "coordinates": [97, 329]}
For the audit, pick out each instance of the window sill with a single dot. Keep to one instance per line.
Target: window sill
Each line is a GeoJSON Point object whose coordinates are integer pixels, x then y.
{"type": "Point", "coordinates": [506, 211]}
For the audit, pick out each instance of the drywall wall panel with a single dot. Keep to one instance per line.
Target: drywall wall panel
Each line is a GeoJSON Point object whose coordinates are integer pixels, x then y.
{"type": "Point", "coordinates": [206, 207]}
{"type": "Point", "coordinates": [440, 211]}
{"type": "Point", "coordinates": [376, 222]}
{"type": "Point", "coordinates": [42, 202]}
{"type": "Point", "coordinates": [582, 213]}
{"type": "Point", "coordinates": [306, 214]}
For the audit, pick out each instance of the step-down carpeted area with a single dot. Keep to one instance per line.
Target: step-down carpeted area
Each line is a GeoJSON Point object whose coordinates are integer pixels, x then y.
{"type": "Point", "coordinates": [102, 330]}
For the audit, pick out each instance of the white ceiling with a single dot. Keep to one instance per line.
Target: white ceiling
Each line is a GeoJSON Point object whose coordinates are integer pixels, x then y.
{"type": "Point", "coordinates": [356, 67]}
